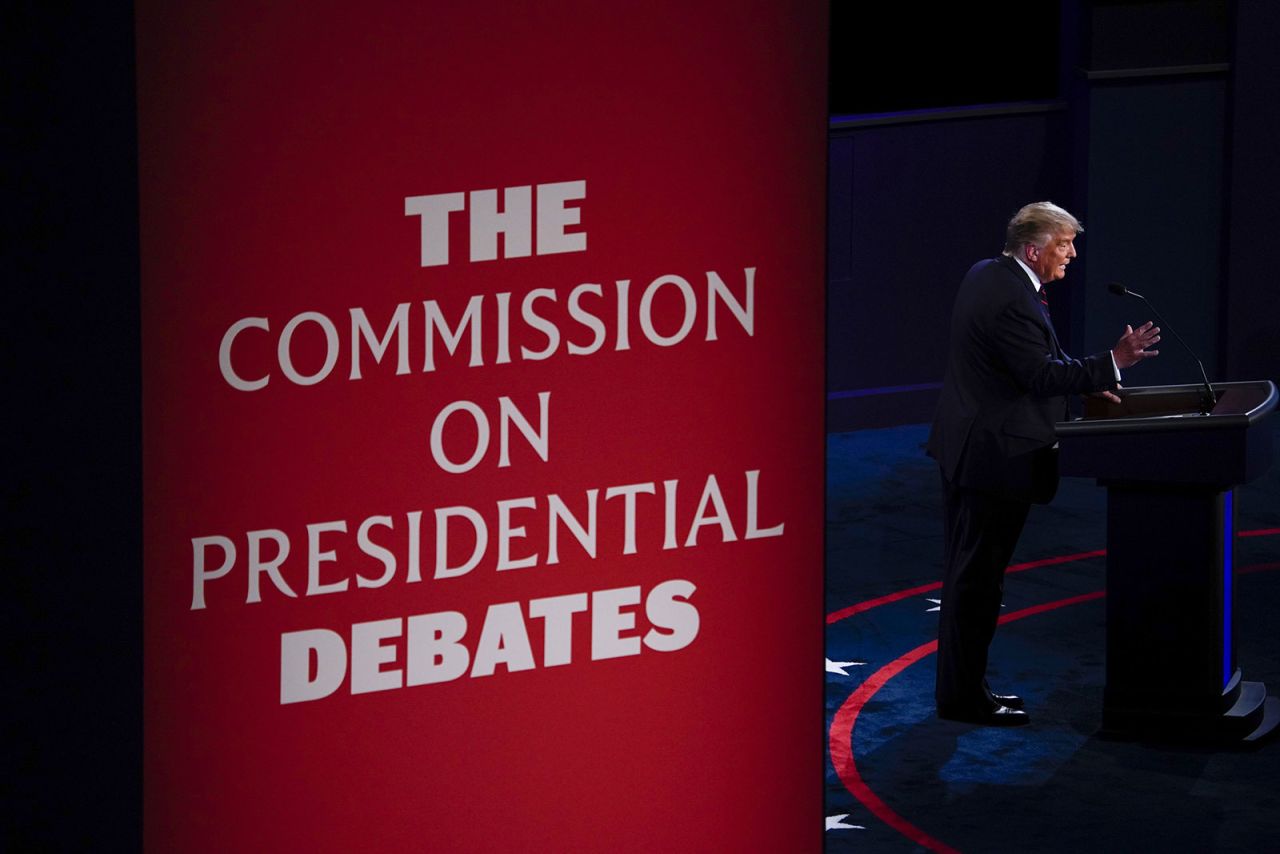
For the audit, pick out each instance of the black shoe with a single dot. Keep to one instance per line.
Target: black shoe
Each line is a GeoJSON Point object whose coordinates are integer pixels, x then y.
{"type": "Point", "coordinates": [998, 716]}
{"type": "Point", "coordinates": [1012, 701]}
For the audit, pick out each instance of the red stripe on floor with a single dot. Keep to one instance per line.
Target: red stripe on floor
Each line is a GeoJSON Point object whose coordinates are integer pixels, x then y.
{"type": "Point", "coordinates": [840, 736]}
{"type": "Point", "coordinates": [845, 613]}
{"type": "Point", "coordinates": [858, 608]}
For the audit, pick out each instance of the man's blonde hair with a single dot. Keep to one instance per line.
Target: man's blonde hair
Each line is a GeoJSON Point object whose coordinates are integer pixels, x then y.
{"type": "Point", "coordinates": [1038, 223]}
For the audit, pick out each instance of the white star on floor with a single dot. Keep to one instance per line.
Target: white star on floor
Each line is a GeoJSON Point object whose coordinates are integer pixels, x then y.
{"type": "Point", "coordinates": [836, 822]}
{"type": "Point", "coordinates": [839, 666]}
{"type": "Point", "coordinates": [937, 604]}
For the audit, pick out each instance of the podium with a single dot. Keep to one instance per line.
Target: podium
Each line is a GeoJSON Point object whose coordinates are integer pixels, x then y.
{"type": "Point", "coordinates": [1169, 472]}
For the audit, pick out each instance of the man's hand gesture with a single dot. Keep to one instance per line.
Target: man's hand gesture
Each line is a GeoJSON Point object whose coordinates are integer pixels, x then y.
{"type": "Point", "coordinates": [1132, 346]}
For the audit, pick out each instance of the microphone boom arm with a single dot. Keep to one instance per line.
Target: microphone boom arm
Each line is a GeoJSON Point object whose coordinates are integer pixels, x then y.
{"type": "Point", "coordinates": [1209, 399]}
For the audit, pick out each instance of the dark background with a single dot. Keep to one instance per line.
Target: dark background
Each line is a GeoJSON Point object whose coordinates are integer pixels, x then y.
{"type": "Point", "coordinates": [73, 489]}
{"type": "Point", "coordinates": [1153, 122]}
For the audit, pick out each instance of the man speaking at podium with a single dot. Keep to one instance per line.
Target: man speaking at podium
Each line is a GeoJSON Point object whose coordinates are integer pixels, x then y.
{"type": "Point", "coordinates": [1006, 384]}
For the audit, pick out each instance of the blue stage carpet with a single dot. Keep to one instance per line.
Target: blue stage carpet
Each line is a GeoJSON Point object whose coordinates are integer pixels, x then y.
{"type": "Point", "coordinates": [900, 780]}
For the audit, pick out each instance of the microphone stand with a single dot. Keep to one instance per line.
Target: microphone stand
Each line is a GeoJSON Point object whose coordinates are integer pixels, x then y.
{"type": "Point", "coordinates": [1207, 397]}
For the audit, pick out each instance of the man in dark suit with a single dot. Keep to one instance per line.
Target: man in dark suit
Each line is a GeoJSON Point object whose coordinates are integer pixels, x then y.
{"type": "Point", "coordinates": [1006, 384]}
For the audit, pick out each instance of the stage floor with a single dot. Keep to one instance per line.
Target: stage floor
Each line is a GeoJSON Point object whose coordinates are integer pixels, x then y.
{"type": "Point", "coordinates": [898, 779]}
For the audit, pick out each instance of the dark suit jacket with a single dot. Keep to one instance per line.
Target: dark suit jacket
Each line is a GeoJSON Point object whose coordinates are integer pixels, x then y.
{"type": "Point", "coordinates": [1006, 385]}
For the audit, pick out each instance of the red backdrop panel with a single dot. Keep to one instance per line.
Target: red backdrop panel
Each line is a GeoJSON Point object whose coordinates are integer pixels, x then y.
{"type": "Point", "coordinates": [278, 147]}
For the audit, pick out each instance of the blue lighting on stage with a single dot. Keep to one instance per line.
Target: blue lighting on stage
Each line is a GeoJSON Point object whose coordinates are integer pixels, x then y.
{"type": "Point", "coordinates": [889, 389]}
{"type": "Point", "coordinates": [1228, 541]}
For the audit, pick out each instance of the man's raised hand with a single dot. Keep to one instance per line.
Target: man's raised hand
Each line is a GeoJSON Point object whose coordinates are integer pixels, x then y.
{"type": "Point", "coordinates": [1132, 346]}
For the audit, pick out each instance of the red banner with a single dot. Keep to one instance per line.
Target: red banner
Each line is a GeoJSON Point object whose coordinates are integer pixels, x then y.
{"type": "Point", "coordinates": [483, 425]}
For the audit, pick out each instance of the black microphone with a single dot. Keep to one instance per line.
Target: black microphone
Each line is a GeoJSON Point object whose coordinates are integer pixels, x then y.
{"type": "Point", "coordinates": [1208, 399]}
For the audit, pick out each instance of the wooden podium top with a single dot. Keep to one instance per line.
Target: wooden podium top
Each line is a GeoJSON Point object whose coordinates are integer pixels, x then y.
{"type": "Point", "coordinates": [1158, 435]}
{"type": "Point", "coordinates": [1174, 407]}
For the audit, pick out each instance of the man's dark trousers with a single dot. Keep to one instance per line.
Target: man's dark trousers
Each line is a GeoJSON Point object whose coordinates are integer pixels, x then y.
{"type": "Point", "coordinates": [981, 533]}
